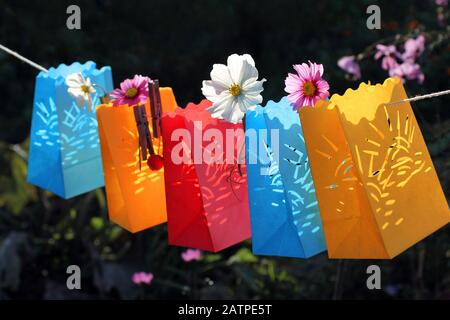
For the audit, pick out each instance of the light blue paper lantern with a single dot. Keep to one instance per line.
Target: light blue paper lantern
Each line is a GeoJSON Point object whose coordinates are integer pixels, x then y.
{"type": "Point", "coordinates": [284, 211]}
{"type": "Point", "coordinates": [64, 153]}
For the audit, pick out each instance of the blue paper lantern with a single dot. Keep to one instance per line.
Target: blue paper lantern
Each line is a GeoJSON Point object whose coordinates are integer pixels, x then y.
{"type": "Point", "coordinates": [284, 211]}
{"type": "Point", "coordinates": [64, 153]}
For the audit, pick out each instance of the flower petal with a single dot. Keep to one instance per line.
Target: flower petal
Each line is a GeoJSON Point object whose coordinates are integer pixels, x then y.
{"type": "Point", "coordinates": [249, 59]}
{"type": "Point", "coordinates": [322, 85]}
{"type": "Point", "coordinates": [296, 99]}
{"type": "Point", "coordinates": [302, 70]}
{"type": "Point", "coordinates": [212, 90]}
{"type": "Point", "coordinates": [293, 83]}
{"type": "Point", "coordinates": [221, 75]}
{"type": "Point", "coordinates": [254, 99]}
{"type": "Point", "coordinates": [243, 103]}
{"type": "Point", "coordinates": [126, 84]}
{"type": "Point", "coordinates": [316, 71]}
{"type": "Point", "coordinates": [234, 64]}
{"type": "Point", "coordinates": [227, 108]}
{"type": "Point", "coordinates": [75, 80]}
{"type": "Point", "coordinates": [250, 102]}
{"type": "Point", "coordinates": [233, 113]}
{"type": "Point", "coordinates": [117, 93]}
{"type": "Point", "coordinates": [248, 72]}
{"type": "Point", "coordinates": [75, 92]}
{"type": "Point", "coordinates": [219, 107]}
{"type": "Point", "coordinates": [252, 86]}
{"type": "Point", "coordinates": [80, 101]}
{"type": "Point", "coordinates": [89, 101]}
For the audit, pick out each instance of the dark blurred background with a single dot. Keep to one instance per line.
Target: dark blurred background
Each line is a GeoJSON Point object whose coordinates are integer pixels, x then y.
{"type": "Point", "coordinates": [177, 42]}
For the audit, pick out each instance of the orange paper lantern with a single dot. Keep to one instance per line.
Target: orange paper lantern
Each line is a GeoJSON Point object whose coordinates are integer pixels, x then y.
{"type": "Point", "coordinates": [135, 193]}
{"type": "Point", "coordinates": [377, 189]}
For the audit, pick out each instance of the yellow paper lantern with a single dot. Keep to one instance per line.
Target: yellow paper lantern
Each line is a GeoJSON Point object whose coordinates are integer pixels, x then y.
{"type": "Point", "coordinates": [377, 189]}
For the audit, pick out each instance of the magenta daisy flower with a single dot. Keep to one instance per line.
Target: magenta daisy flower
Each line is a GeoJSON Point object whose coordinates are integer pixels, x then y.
{"type": "Point", "coordinates": [307, 86]}
{"type": "Point", "coordinates": [132, 91]}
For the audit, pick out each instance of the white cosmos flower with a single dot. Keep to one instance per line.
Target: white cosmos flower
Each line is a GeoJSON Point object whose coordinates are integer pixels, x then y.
{"type": "Point", "coordinates": [81, 89]}
{"type": "Point", "coordinates": [233, 88]}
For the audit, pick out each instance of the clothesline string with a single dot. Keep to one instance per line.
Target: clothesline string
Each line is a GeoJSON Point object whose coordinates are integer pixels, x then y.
{"type": "Point", "coordinates": [416, 98]}
{"type": "Point", "coordinates": [22, 58]}
{"type": "Point", "coordinates": [422, 97]}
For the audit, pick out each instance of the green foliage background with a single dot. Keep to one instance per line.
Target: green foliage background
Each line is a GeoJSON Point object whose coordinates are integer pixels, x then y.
{"type": "Point", "coordinates": [177, 42]}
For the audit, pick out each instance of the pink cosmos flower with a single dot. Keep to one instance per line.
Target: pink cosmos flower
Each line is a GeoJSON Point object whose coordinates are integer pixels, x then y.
{"type": "Point", "coordinates": [409, 70]}
{"type": "Point", "coordinates": [442, 3]}
{"type": "Point", "coordinates": [142, 277]}
{"type": "Point", "coordinates": [414, 48]}
{"type": "Point", "coordinates": [388, 53]}
{"type": "Point", "coordinates": [191, 255]}
{"type": "Point", "coordinates": [307, 86]}
{"type": "Point", "coordinates": [132, 91]}
{"type": "Point", "coordinates": [349, 65]}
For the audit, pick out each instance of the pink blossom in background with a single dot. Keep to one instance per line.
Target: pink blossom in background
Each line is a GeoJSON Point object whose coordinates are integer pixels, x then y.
{"type": "Point", "coordinates": [441, 19]}
{"type": "Point", "coordinates": [142, 277]}
{"type": "Point", "coordinates": [409, 70]}
{"type": "Point", "coordinates": [414, 48]}
{"type": "Point", "coordinates": [398, 64]}
{"type": "Point", "coordinates": [442, 3]}
{"type": "Point", "coordinates": [191, 255]}
{"type": "Point", "coordinates": [132, 92]}
{"type": "Point", "coordinates": [306, 87]}
{"type": "Point", "coordinates": [388, 63]}
{"type": "Point", "coordinates": [388, 53]}
{"type": "Point", "coordinates": [349, 65]}
{"type": "Point", "coordinates": [383, 50]}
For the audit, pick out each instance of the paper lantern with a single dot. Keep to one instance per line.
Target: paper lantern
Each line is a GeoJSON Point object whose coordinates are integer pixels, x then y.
{"type": "Point", "coordinates": [64, 154]}
{"type": "Point", "coordinates": [377, 188]}
{"type": "Point", "coordinates": [206, 196]}
{"type": "Point", "coordinates": [134, 191]}
{"type": "Point", "coordinates": [284, 212]}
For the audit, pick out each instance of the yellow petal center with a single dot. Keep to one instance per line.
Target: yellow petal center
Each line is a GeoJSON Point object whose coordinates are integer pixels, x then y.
{"type": "Point", "coordinates": [309, 89]}
{"type": "Point", "coordinates": [85, 89]}
{"type": "Point", "coordinates": [131, 93]}
{"type": "Point", "coordinates": [235, 90]}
